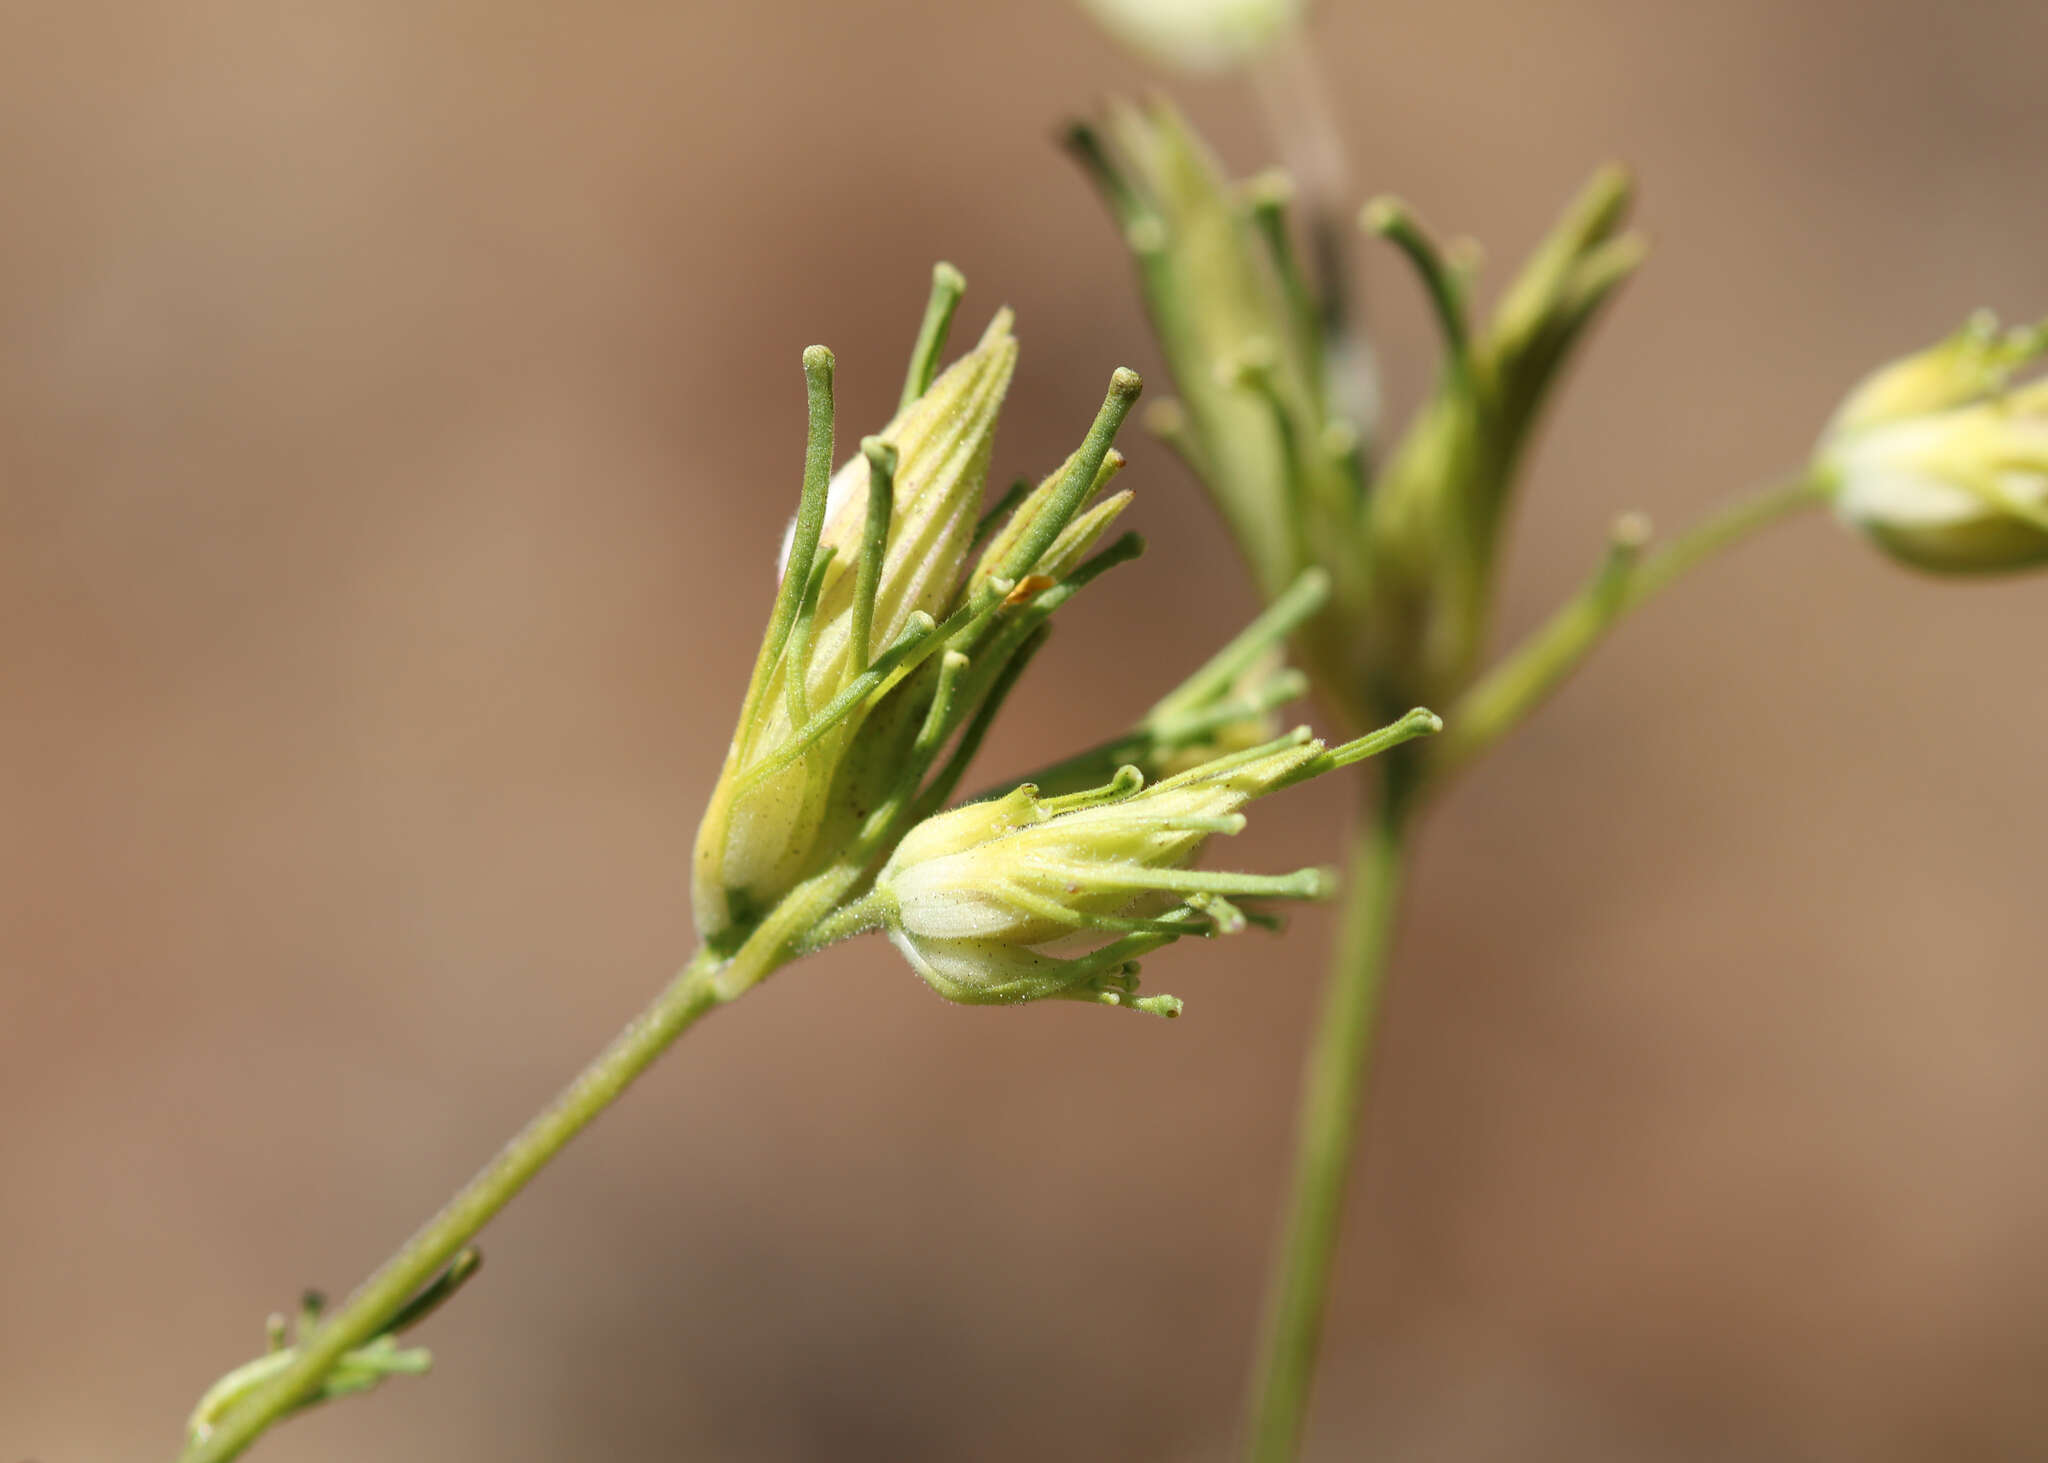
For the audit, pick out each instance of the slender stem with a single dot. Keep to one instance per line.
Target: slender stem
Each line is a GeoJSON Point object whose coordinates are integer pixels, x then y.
{"type": "Point", "coordinates": [1286, 614]}
{"type": "Point", "coordinates": [1724, 530]}
{"type": "Point", "coordinates": [702, 985]}
{"type": "Point", "coordinates": [948, 285]}
{"type": "Point", "coordinates": [1524, 679]}
{"type": "Point", "coordinates": [1079, 479]}
{"type": "Point", "coordinates": [1291, 91]}
{"type": "Point", "coordinates": [1326, 1130]}
{"type": "Point", "coordinates": [1339, 1059]}
{"type": "Point", "coordinates": [857, 918]}
{"type": "Point", "coordinates": [1392, 220]}
{"type": "Point", "coordinates": [810, 521]}
{"type": "Point", "coordinates": [939, 791]}
{"type": "Point", "coordinates": [874, 548]}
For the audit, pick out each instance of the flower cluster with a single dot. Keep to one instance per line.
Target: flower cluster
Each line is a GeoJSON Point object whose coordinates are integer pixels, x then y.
{"type": "Point", "coordinates": [1276, 413]}
{"type": "Point", "coordinates": [1939, 458]}
{"type": "Point", "coordinates": [880, 645]}
{"type": "Point", "coordinates": [905, 615]}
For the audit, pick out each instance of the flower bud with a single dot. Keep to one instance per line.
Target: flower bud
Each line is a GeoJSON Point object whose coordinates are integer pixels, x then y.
{"type": "Point", "coordinates": [879, 567]}
{"type": "Point", "coordinates": [1198, 35]}
{"type": "Point", "coordinates": [1226, 297]}
{"type": "Point", "coordinates": [1974, 363]}
{"type": "Point", "coordinates": [1277, 409]}
{"type": "Point", "coordinates": [1074, 541]}
{"type": "Point", "coordinates": [1440, 502]}
{"type": "Point", "coordinates": [1940, 462]}
{"type": "Point", "coordinates": [988, 902]}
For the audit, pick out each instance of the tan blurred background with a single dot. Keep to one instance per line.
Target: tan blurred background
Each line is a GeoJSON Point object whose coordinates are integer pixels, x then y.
{"type": "Point", "coordinates": [398, 404]}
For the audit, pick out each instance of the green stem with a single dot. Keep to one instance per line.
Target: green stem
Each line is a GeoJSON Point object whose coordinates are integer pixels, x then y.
{"type": "Point", "coordinates": [948, 285]}
{"type": "Point", "coordinates": [702, 985]}
{"type": "Point", "coordinates": [1326, 1130]}
{"type": "Point", "coordinates": [1339, 1059]}
{"type": "Point", "coordinates": [1724, 530]}
{"type": "Point", "coordinates": [1524, 679]}
{"type": "Point", "coordinates": [1291, 90]}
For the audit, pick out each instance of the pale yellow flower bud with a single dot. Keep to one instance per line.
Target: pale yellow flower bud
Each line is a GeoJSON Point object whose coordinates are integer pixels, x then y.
{"type": "Point", "coordinates": [1198, 35]}
{"type": "Point", "coordinates": [1075, 540]}
{"type": "Point", "coordinates": [1970, 365]}
{"type": "Point", "coordinates": [759, 832]}
{"type": "Point", "coordinates": [1941, 463]}
{"type": "Point", "coordinates": [998, 901]}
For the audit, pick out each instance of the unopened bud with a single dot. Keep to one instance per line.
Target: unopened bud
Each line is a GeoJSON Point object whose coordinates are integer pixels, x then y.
{"type": "Point", "coordinates": [989, 902]}
{"type": "Point", "coordinates": [1941, 462]}
{"type": "Point", "coordinates": [897, 521]}
{"type": "Point", "coordinates": [1974, 363]}
{"type": "Point", "coordinates": [1198, 35]}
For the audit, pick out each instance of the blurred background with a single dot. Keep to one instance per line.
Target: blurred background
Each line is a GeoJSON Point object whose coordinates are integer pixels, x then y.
{"type": "Point", "coordinates": [398, 407]}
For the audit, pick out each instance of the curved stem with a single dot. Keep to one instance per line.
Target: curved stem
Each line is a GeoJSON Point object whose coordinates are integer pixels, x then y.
{"type": "Point", "coordinates": [1326, 1131]}
{"type": "Point", "coordinates": [1524, 679]}
{"type": "Point", "coordinates": [1723, 530]}
{"type": "Point", "coordinates": [702, 985]}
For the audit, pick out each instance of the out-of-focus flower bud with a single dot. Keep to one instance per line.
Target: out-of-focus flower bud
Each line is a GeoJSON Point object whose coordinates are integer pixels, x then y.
{"type": "Point", "coordinates": [1275, 421]}
{"type": "Point", "coordinates": [1198, 35]}
{"type": "Point", "coordinates": [1000, 901]}
{"type": "Point", "coordinates": [1439, 503]}
{"type": "Point", "coordinates": [1940, 461]}
{"type": "Point", "coordinates": [1233, 322]}
{"type": "Point", "coordinates": [1274, 401]}
{"type": "Point", "coordinates": [1971, 365]}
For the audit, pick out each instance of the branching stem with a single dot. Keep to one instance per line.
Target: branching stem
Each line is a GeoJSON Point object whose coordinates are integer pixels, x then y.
{"type": "Point", "coordinates": [1325, 1134]}
{"type": "Point", "coordinates": [1525, 677]}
